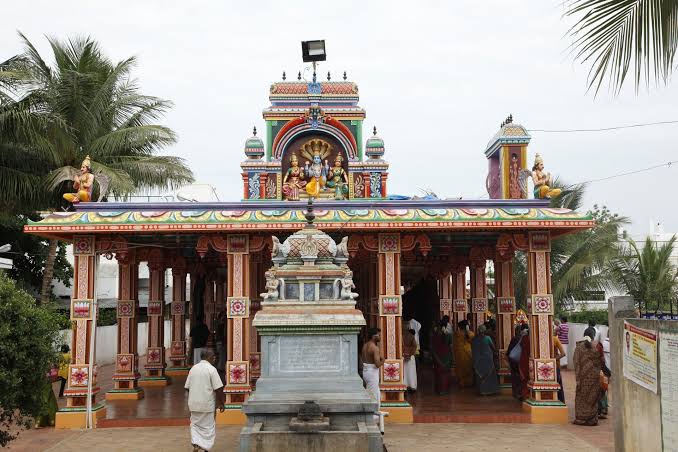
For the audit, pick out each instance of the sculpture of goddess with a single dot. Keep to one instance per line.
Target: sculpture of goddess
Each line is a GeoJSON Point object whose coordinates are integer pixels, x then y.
{"type": "Point", "coordinates": [82, 183]}
{"type": "Point", "coordinates": [346, 285]}
{"type": "Point", "coordinates": [293, 180]}
{"type": "Point", "coordinates": [337, 179]}
{"type": "Point", "coordinates": [542, 180]}
{"type": "Point", "coordinates": [515, 192]}
{"type": "Point", "coordinates": [317, 174]}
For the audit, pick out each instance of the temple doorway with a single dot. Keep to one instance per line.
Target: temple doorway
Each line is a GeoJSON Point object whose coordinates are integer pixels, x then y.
{"type": "Point", "coordinates": [461, 405]}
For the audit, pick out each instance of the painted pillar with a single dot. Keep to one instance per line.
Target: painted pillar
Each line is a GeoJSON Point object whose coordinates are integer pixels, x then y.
{"type": "Point", "coordinates": [179, 363]}
{"type": "Point", "coordinates": [126, 377]}
{"type": "Point", "coordinates": [82, 367]}
{"type": "Point", "coordinates": [543, 401]}
{"type": "Point", "coordinates": [460, 303]}
{"type": "Point", "coordinates": [478, 290]}
{"type": "Point", "coordinates": [446, 295]}
{"type": "Point", "coordinates": [257, 282]}
{"type": "Point", "coordinates": [155, 353]}
{"type": "Point", "coordinates": [366, 181]}
{"type": "Point", "coordinates": [390, 311]}
{"type": "Point", "coordinates": [210, 306]}
{"type": "Point", "coordinates": [263, 178]}
{"type": "Point", "coordinates": [506, 311]}
{"type": "Point", "coordinates": [238, 385]}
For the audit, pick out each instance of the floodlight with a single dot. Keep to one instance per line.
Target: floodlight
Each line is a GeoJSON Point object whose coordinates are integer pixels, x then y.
{"type": "Point", "coordinates": [313, 50]}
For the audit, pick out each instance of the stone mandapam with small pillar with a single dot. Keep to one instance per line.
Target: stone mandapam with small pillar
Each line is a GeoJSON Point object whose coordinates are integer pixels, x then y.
{"type": "Point", "coordinates": [314, 138]}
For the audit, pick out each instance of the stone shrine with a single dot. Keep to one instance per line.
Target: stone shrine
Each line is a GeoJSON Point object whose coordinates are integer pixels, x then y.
{"type": "Point", "coordinates": [309, 396]}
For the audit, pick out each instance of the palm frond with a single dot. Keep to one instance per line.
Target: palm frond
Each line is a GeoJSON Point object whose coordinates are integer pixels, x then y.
{"type": "Point", "coordinates": [616, 37]}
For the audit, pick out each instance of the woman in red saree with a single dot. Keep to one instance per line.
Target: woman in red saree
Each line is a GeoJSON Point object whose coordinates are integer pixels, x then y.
{"type": "Point", "coordinates": [442, 359]}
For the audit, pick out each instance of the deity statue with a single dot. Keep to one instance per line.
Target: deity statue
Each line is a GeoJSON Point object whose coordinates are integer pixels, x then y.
{"type": "Point", "coordinates": [83, 183]}
{"type": "Point", "coordinates": [337, 179]}
{"type": "Point", "coordinates": [294, 180]}
{"type": "Point", "coordinates": [515, 191]}
{"type": "Point", "coordinates": [272, 284]}
{"type": "Point", "coordinates": [316, 151]}
{"type": "Point", "coordinates": [346, 285]}
{"type": "Point", "coordinates": [542, 180]}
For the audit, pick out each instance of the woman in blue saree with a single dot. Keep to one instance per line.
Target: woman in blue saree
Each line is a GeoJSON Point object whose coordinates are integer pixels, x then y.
{"type": "Point", "coordinates": [483, 350]}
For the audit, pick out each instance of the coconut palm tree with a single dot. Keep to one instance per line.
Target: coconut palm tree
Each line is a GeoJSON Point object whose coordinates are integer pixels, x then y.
{"type": "Point", "coordinates": [579, 262]}
{"type": "Point", "coordinates": [647, 273]}
{"type": "Point", "coordinates": [94, 107]}
{"type": "Point", "coordinates": [615, 37]}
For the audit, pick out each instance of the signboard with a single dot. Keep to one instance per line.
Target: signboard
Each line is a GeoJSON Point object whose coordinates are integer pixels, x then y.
{"type": "Point", "coordinates": [640, 356]}
{"type": "Point", "coordinates": [668, 367]}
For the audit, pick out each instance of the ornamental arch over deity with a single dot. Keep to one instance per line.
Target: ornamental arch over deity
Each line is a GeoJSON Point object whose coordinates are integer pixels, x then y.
{"type": "Point", "coordinates": [325, 126]}
{"type": "Point", "coordinates": [313, 147]}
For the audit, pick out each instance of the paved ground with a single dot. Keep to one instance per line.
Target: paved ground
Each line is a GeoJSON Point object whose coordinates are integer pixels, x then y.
{"type": "Point", "coordinates": [405, 438]}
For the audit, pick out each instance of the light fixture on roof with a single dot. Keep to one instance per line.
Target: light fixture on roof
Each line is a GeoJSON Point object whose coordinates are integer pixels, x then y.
{"type": "Point", "coordinates": [313, 51]}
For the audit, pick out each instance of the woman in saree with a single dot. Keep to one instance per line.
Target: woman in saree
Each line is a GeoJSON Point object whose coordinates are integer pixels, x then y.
{"type": "Point", "coordinates": [462, 354]}
{"type": "Point", "coordinates": [587, 367]}
{"type": "Point", "coordinates": [515, 365]}
{"type": "Point", "coordinates": [483, 349]}
{"type": "Point", "coordinates": [442, 359]}
{"type": "Point", "coordinates": [524, 364]}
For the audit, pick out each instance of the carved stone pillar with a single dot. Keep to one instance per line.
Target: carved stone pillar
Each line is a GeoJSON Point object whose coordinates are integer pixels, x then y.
{"type": "Point", "coordinates": [155, 353]}
{"type": "Point", "coordinates": [126, 377]}
{"type": "Point", "coordinates": [179, 363]}
{"type": "Point", "coordinates": [82, 367]}
{"type": "Point", "coordinates": [543, 401]}
{"type": "Point", "coordinates": [506, 311]}
{"type": "Point", "coordinates": [479, 303]}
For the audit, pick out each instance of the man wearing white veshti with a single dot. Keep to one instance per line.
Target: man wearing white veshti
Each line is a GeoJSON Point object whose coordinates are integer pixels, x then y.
{"type": "Point", "coordinates": [372, 361]}
{"type": "Point", "coordinates": [205, 390]}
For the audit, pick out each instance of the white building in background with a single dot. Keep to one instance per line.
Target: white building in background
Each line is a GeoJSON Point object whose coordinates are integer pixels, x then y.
{"type": "Point", "coordinates": [107, 276]}
{"type": "Point", "coordinates": [598, 299]}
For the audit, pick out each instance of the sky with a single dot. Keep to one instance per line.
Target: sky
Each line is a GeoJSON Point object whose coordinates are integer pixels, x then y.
{"type": "Point", "coordinates": [435, 77]}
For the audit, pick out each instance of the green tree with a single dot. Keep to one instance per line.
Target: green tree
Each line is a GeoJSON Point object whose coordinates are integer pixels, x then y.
{"type": "Point", "coordinates": [85, 104]}
{"type": "Point", "coordinates": [29, 254]}
{"type": "Point", "coordinates": [580, 261]}
{"type": "Point", "coordinates": [647, 273]}
{"type": "Point", "coordinates": [29, 336]}
{"type": "Point", "coordinates": [616, 37]}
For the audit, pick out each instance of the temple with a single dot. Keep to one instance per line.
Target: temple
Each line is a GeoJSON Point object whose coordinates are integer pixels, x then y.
{"type": "Point", "coordinates": [219, 253]}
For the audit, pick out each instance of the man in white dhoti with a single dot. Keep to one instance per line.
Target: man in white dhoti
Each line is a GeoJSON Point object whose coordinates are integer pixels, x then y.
{"type": "Point", "coordinates": [409, 360]}
{"type": "Point", "coordinates": [372, 361]}
{"type": "Point", "coordinates": [205, 390]}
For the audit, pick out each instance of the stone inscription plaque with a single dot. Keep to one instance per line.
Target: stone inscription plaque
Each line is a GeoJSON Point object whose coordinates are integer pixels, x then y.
{"type": "Point", "coordinates": [310, 354]}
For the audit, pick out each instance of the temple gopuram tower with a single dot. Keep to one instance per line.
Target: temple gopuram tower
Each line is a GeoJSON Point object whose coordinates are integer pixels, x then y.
{"type": "Point", "coordinates": [314, 122]}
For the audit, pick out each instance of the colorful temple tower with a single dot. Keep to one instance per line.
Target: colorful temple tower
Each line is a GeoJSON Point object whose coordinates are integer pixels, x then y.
{"type": "Point", "coordinates": [506, 154]}
{"type": "Point", "coordinates": [314, 146]}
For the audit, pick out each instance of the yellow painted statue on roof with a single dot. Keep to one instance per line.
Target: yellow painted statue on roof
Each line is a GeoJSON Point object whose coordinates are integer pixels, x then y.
{"type": "Point", "coordinates": [542, 180]}
{"type": "Point", "coordinates": [83, 183]}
